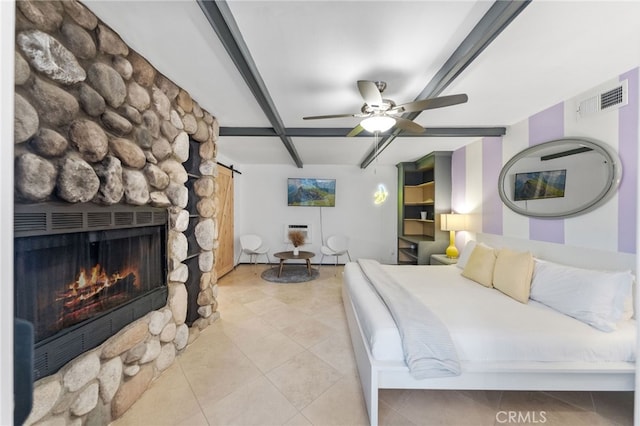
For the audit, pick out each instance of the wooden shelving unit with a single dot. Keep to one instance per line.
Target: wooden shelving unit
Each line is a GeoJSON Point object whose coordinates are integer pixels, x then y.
{"type": "Point", "coordinates": [423, 186]}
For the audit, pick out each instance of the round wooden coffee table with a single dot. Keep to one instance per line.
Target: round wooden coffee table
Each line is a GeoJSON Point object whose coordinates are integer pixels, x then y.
{"type": "Point", "coordinates": [288, 255]}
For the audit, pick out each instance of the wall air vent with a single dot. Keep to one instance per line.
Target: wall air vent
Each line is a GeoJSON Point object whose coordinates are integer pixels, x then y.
{"type": "Point", "coordinates": [607, 99]}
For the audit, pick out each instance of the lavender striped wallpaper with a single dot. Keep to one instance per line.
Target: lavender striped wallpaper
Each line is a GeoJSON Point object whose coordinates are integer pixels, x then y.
{"type": "Point", "coordinates": [547, 125]}
{"type": "Point", "coordinates": [459, 186]}
{"type": "Point", "coordinates": [628, 152]}
{"type": "Point", "coordinates": [458, 178]}
{"type": "Point", "coordinates": [491, 202]}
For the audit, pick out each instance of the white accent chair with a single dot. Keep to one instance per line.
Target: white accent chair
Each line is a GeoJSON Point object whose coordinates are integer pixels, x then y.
{"type": "Point", "coordinates": [252, 246]}
{"type": "Point", "coordinates": [337, 245]}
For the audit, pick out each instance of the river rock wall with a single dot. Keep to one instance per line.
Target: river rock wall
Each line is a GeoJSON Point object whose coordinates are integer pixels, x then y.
{"type": "Point", "coordinates": [95, 122]}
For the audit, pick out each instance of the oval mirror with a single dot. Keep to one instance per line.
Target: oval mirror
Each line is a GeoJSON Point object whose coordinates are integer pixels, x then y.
{"type": "Point", "coordinates": [561, 178]}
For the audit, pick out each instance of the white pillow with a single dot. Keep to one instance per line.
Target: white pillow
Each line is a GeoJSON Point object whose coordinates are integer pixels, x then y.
{"type": "Point", "coordinates": [466, 252]}
{"type": "Point", "coordinates": [594, 297]}
{"type": "Point", "coordinates": [629, 310]}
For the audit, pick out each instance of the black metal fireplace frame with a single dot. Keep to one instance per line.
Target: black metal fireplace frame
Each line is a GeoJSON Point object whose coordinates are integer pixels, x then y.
{"type": "Point", "coordinates": [56, 218]}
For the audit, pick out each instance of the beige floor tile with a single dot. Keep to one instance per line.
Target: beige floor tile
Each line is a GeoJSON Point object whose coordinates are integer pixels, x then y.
{"type": "Point", "coordinates": [539, 405]}
{"type": "Point", "coordinates": [615, 406]}
{"type": "Point", "coordinates": [284, 317]}
{"type": "Point", "coordinates": [561, 418]}
{"type": "Point", "coordinates": [300, 296]}
{"type": "Point", "coordinates": [392, 397]}
{"type": "Point", "coordinates": [250, 329]}
{"type": "Point", "coordinates": [309, 305]}
{"type": "Point", "coordinates": [216, 373]}
{"type": "Point", "coordinates": [234, 312]}
{"type": "Point", "coordinates": [270, 351]}
{"type": "Point", "coordinates": [299, 420]}
{"type": "Point", "coordinates": [490, 399]}
{"type": "Point", "coordinates": [198, 419]}
{"type": "Point", "coordinates": [264, 306]}
{"type": "Point", "coordinates": [303, 378]}
{"type": "Point", "coordinates": [387, 416]}
{"type": "Point", "coordinates": [308, 332]}
{"type": "Point", "coordinates": [526, 400]}
{"type": "Point", "coordinates": [250, 295]}
{"type": "Point", "coordinates": [333, 316]}
{"type": "Point", "coordinates": [178, 405]}
{"type": "Point", "coordinates": [341, 404]}
{"type": "Point", "coordinates": [338, 353]}
{"type": "Point", "coordinates": [256, 403]}
{"type": "Point", "coordinates": [211, 342]}
{"type": "Point", "coordinates": [582, 400]}
{"type": "Point", "coordinates": [428, 407]}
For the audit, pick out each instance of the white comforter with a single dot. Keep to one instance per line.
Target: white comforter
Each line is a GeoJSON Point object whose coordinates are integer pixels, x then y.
{"type": "Point", "coordinates": [427, 346]}
{"type": "Point", "coordinates": [485, 325]}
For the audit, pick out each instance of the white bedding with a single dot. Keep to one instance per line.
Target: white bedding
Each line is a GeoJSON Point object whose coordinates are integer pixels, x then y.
{"type": "Point", "coordinates": [485, 325]}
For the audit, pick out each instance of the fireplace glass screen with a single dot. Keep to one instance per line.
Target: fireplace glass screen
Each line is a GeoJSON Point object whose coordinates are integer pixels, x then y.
{"type": "Point", "coordinates": [63, 280]}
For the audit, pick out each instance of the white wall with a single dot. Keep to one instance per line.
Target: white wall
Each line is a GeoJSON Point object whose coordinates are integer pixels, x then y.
{"type": "Point", "coordinates": [6, 213]}
{"type": "Point", "coordinates": [261, 208]}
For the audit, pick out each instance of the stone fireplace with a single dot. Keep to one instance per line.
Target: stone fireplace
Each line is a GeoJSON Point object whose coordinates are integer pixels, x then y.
{"type": "Point", "coordinates": [112, 232]}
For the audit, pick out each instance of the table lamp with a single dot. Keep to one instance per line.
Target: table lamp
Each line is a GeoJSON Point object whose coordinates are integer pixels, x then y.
{"type": "Point", "coordinates": [452, 222]}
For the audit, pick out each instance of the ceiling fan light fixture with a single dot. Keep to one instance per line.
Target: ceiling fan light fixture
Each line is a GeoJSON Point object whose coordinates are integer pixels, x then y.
{"type": "Point", "coordinates": [378, 123]}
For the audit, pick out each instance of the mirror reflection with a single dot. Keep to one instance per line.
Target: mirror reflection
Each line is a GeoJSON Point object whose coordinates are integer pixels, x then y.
{"type": "Point", "coordinates": [561, 178]}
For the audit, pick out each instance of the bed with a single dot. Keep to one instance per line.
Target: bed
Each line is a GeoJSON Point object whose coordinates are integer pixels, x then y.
{"type": "Point", "coordinates": [543, 349]}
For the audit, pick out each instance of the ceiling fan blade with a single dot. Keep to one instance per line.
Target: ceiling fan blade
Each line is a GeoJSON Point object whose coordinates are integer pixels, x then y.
{"type": "Point", "coordinates": [369, 92]}
{"type": "Point", "coordinates": [431, 103]}
{"type": "Point", "coordinates": [408, 125]}
{"type": "Point", "coordinates": [355, 131]}
{"type": "Point", "coordinates": [318, 117]}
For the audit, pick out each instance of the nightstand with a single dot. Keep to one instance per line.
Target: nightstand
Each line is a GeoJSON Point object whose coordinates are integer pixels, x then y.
{"type": "Point", "coordinates": [442, 259]}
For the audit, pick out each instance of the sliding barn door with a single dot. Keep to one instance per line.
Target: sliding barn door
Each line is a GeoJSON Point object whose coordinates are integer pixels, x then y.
{"type": "Point", "coordinates": [224, 192]}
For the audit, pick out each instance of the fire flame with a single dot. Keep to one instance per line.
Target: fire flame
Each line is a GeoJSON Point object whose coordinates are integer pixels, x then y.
{"type": "Point", "coordinates": [97, 280]}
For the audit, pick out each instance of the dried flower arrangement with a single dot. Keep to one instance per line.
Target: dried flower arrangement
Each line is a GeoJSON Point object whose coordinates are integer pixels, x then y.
{"type": "Point", "coordinates": [296, 238]}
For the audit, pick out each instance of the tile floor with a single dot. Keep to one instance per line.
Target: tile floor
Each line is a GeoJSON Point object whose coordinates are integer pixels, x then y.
{"type": "Point", "coordinates": [280, 355]}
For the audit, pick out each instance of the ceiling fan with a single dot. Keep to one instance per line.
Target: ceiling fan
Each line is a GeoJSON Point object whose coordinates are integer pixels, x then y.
{"type": "Point", "coordinates": [379, 114]}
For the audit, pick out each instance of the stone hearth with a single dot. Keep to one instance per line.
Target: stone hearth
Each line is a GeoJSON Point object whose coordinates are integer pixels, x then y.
{"type": "Point", "coordinates": [96, 123]}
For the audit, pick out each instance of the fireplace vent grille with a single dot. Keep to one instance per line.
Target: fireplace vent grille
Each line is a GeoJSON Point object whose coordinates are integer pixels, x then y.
{"type": "Point", "coordinates": [53, 218]}
{"type": "Point", "coordinates": [98, 219]}
{"type": "Point", "coordinates": [160, 216]}
{"type": "Point", "coordinates": [144, 217]}
{"type": "Point", "coordinates": [66, 220]}
{"type": "Point", "coordinates": [30, 221]}
{"type": "Point", "coordinates": [124, 218]}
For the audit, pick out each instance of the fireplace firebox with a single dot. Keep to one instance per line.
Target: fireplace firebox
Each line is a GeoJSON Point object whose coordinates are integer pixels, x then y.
{"type": "Point", "coordinates": [84, 272]}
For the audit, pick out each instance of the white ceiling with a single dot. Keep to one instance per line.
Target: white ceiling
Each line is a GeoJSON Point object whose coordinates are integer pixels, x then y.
{"type": "Point", "coordinates": [311, 53]}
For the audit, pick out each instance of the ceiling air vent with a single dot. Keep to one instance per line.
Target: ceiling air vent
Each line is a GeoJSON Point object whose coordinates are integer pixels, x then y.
{"type": "Point", "coordinates": [610, 98]}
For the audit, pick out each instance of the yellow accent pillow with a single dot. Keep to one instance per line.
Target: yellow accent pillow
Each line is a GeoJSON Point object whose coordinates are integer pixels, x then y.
{"type": "Point", "coordinates": [479, 267]}
{"type": "Point", "coordinates": [512, 274]}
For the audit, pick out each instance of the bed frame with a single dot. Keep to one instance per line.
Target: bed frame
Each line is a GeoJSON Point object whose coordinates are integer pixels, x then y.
{"type": "Point", "coordinates": [578, 376]}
